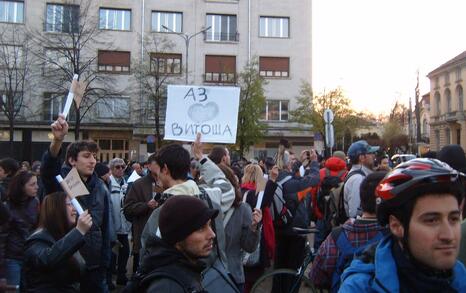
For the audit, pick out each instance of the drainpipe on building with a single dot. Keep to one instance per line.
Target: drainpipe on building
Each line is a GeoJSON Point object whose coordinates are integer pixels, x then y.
{"type": "Point", "coordinates": [249, 31]}
{"type": "Point", "coordinates": [141, 97]}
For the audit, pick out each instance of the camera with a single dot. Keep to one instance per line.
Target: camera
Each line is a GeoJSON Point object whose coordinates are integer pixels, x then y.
{"type": "Point", "coordinates": [160, 197]}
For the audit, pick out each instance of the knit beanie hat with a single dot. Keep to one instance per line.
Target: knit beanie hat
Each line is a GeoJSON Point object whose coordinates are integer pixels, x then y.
{"type": "Point", "coordinates": [340, 154]}
{"type": "Point", "coordinates": [453, 155]}
{"type": "Point", "coordinates": [181, 215]}
{"type": "Point", "coordinates": [101, 169]}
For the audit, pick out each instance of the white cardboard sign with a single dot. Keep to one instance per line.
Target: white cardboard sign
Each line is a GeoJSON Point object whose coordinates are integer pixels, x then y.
{"type": "Point", "coordinates": [212, 111]}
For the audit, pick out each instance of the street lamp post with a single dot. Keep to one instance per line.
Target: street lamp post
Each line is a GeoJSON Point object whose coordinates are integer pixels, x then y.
{"type": "Point", "coordinates": [186, 38]}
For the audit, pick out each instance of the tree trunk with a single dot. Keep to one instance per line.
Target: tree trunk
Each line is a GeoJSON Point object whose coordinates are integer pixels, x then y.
{"type": "Point", "coordinates": [158, 142]}
{"type": "Point", "coordinates": [77, 127]}
{"type": "Point", "coordinates": [11, 131]}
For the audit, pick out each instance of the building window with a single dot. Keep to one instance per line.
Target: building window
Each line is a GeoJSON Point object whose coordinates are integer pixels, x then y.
{"type": "Point", "coordinates": [53, 105]}
{"type": "Point", "coordinates": [114, 61]}
{"type": "Point", "coordinates": [113, 107]}
{"type": "Point", "coordinates": [447, 136]}
{"type": "Point", "coordinates": [437, 103]}
{"type": "Point", "coordinates": [437, 82]}
{"type": "Point", "coordinates": [274, 27]}
{"type": "Point", "coordinates": [12, 11]}
{"type": "Point", "coordinates": [424, 128]}
{"type": "Point", "coordinates": [459, 94]}
{"type": "Point", "coordinates": [447, 78]}
{"type": "Point", "coordinates": [276, 110]}
{"type": "Point", "coordinates": [112, 148]}
{"type": "Point", "coordinates": [11, 56]}
{"type": "Point", "coordinates": [222, 28]}
{"type": "Point", "coordinates": [164, 63]}
{"type": "Point", "coordinates": [55, 60]}
{"type": "Point", "coordinates": [274, 66]}
{"type": "Point", "coordinates": [171, 20]}
{"type": "Point", "coordinates": [62, 18]}
{"type": "Point", "coordinates": [458, 74]}
{"type": "Point", "coordinates": [437, 139]}
{"type": "Point", "coordinates": [220, 69]}
{"type": "Point", "coordinates": [114, 19]}
{"type": "Point", "coordinates": [448, 97]}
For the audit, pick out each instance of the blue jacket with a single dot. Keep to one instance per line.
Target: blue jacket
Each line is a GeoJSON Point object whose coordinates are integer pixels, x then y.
{"type": "Point", "coordinates": [381, 275]}
{"type": "Point", "coordinates": [96, 250]}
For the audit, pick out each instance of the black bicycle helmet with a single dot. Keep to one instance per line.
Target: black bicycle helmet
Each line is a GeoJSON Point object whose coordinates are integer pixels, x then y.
{"type": "Point", "coordinates": [415, 178]}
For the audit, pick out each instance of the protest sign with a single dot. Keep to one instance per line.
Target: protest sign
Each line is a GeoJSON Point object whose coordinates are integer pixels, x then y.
{"type": "Point", "coordinates": [73, 186]}
{"type": "Point", "coordinates": [211, 111]}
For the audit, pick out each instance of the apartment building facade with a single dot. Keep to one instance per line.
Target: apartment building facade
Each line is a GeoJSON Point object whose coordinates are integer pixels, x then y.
{"type": "Point", "coordinates": [447, 109]}
{"type": "Point", "coordinates": [224, 35]}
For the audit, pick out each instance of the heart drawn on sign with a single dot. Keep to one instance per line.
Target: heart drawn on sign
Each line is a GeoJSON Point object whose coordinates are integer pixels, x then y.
{"type": "Point", "coordinates": [201, 113]}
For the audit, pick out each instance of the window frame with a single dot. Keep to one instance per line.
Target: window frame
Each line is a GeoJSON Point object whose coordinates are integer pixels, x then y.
{"type": "Point", "coordinates": [266, 19]}
{"type": "Point", "coordinates": [281, 112]}
{"type": "Point", "coordinates": [72, 28]}
{"type": "Point", "coordinates": [105, 103]}
{"type": "Point", "coordinates": [115, 10]}
{"type": "Point", "coordinates": [162, 30]}
{"type": "Point", "coordinates": [274, 73]}
{"type": "Point", "coordinates": [210, 34]}
{"type": "Point", "coordinates": [49, 100]}
{"type": "Point", "coordinates": [166, 56]}
{"type": "Point", "coordinates": [223, 76]}
{"type": "Point", "coordinates": [113, 71]}
{"type": "Point", "coordinates": [15, 3]}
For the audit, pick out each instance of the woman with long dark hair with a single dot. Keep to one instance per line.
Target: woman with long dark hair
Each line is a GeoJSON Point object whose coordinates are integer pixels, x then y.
{"type": "Point", "coordinates": [51, 263]}
{"type": "Point", "coordinates": [24, 210]}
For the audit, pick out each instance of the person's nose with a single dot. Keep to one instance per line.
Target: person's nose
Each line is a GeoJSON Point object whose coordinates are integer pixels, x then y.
{"type": "Point", "coordinates": [211, 233]}
{"type": "Point", "coordinates": [447, 231]}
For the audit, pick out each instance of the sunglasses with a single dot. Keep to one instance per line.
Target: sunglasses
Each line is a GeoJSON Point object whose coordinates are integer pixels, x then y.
{"type": "Point", "coordinates": [120, 167]}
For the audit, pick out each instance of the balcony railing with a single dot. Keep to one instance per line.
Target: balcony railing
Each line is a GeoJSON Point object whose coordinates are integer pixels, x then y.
{"type": "Point", "coordinates": [221, 37]}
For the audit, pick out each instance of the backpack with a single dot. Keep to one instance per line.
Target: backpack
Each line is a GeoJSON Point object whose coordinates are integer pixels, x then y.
{"type": "Point", "coordinates": [293, 212]}
{"type": "Point", "coordinates": [331, 200]}
{"type": "Point", "coordinates": [347, 252]}
{"type": "Point", "coordinates": [280, 213]}
{"type": "Point", "coordinates": [140, 282]}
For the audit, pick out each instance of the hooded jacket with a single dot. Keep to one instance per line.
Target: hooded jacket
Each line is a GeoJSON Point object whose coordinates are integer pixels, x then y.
{"type": "Point", "coordinates": [381, 275]}
{"type": "Point", "coordinates": [220, 186]}
{"type": "Point", "coordinates": [50, 265]}
{"type": "Point", "coordinates": [162, 257]}
{"type": "Point", "coordinates": [118, 193]}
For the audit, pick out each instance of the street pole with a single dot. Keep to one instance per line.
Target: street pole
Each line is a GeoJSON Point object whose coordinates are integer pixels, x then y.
{"type": "Point", "coordinates": [186, 39]}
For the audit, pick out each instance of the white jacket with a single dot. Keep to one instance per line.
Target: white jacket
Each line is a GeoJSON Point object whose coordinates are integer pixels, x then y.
{"type": "Point", "coordinates": [118, 192]}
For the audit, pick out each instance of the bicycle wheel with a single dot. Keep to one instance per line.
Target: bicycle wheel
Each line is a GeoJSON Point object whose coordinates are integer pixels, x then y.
{"type": "Point", "coordinates": [264, 283]}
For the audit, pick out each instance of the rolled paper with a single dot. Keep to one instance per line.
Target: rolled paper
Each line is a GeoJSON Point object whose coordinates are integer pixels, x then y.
{"type": "Point", "coordinates": [65, 187]}
{"type": "Point", "coordinates": [69, 99]}
{"type": "Point", "coordinates": [260, 196]}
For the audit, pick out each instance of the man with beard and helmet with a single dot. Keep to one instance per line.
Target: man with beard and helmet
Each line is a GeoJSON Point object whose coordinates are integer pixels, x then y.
{"type": "Point", "coordinates": [420, 202]}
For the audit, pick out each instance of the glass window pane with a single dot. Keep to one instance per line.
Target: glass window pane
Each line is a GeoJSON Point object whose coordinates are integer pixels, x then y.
{"type": "Point", "coordinates": [286, 29]}
{"type": "Point", "coordinates": [284, 113]}
{"type": "Point", "coordinates": [178, 22]}
{"type": "Point", "coordinates": [274, 110]}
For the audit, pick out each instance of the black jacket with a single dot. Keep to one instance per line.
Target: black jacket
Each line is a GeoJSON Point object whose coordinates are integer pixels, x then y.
{"type": "Point", "coordinates": [49, 265]}
{"type": "Point", "coordinates": [96, 250]}
{"type": "Point", "coordinates": [162, 258]}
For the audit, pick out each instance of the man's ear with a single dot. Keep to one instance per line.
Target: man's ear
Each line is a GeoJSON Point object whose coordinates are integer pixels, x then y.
{"type": "Point", "coordinates": [165, 170]}
{"type": "Point", "coordinates": [72, 161]}
{"type": "Point", "coordinates": [396, 227]}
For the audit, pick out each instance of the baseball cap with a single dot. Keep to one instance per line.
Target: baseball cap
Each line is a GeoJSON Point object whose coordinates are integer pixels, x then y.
{"type": "Point", "coordinates": [361, 147]}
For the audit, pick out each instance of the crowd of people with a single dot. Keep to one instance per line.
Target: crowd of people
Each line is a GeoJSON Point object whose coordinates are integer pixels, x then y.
{"type": "Point", "coordinates": [194, 221]}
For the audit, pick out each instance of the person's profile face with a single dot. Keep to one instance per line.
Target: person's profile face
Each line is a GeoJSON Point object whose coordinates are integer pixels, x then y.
{"type": "Point", "coordinates": [435, 231]}
{"type": "Point", "coordinates": [199, 243]}
{"type": "Point", "coordinates": [84, 163]}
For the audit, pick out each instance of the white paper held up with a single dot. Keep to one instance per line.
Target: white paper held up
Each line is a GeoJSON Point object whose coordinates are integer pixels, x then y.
{"type": "Point", "coordinates": [69, 98]}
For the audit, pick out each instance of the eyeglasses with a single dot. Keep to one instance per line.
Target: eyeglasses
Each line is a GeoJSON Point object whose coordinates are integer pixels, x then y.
{"type": "Point", "coordinates": [120, 167]}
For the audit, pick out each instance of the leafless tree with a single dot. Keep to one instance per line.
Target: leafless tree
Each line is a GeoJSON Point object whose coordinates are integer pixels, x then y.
{"type": "Point", "coordinates": [158, 66]}
{"type": "Point", "coordinates": [16, 65]}
{"type": "Point", "coordinates": [72, 38]}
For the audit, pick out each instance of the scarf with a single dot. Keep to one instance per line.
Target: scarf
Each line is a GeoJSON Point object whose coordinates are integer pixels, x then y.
{"type": "Point", "coordinates": [415, 277]}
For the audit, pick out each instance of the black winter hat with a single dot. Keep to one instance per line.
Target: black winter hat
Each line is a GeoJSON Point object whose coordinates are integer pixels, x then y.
{"type": "Point", "coordinates": [453, 155]}
{"type": "Point", "coordinates": [181, 215]}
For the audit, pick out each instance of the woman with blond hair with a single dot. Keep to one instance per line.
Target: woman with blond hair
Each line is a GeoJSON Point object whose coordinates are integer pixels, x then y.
{"type": "Point", "coordinates": [253, 183]}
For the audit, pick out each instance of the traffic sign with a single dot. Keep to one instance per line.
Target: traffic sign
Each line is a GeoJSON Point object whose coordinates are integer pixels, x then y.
{"type": "Point", "coordinates": [329, 135]}
{"type": "Point", "coordinates": [328, 116]}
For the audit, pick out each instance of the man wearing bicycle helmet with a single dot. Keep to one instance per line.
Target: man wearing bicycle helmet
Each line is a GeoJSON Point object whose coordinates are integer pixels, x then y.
{"type": "Point", "coordinates": [420, 202]}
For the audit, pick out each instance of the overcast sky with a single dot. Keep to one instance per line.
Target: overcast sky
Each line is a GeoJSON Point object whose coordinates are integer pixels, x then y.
{"type": "Point", "coordinates": [373, 48]}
